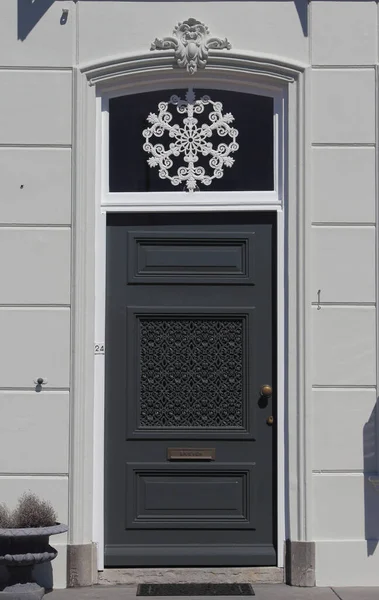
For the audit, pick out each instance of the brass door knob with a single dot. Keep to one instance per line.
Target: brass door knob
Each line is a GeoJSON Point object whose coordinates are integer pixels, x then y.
{"type": "Point", "coordinates": [266, 391]}
{"type": "Point", "coordinates": [270, 420]}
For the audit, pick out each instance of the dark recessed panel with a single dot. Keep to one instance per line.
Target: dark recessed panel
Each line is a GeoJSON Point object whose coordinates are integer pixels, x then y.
{"type": "Point", "coordinates": [166, 258]}
{"type": "Point", "coordinates": [190, 497]}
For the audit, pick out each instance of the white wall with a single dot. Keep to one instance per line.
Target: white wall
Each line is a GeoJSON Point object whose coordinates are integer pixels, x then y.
{"type": "Point", "coordinates": [38, 49]}
{"type": "Point", "coordinates": [344, 50]}
{"type": "Point", "coordinates": [37, 54]}
{"type": "Point", "coordinates": [133, 26]}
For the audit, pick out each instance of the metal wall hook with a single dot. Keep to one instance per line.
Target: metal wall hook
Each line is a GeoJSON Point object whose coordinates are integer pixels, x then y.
{"type": "Point", "coordinates": [318, 299]}
{"type": "Point", "coordinates": [64, 16]}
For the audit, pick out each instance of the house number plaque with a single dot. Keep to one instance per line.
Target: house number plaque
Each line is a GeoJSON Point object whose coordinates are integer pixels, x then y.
{"type": "Point", "coordinates": [191, 453]}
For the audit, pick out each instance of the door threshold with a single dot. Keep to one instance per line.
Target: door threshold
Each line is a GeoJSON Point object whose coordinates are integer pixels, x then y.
{"type": "Point", "coordinates": [133, 576]}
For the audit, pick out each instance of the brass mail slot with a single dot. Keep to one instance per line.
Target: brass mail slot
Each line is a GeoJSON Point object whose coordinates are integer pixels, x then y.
{"type": "Point", "coordinates": [191, 453]}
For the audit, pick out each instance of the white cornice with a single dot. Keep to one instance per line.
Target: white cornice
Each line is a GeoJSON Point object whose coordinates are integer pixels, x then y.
{"type": "Point", "coordinates": [110, 70]}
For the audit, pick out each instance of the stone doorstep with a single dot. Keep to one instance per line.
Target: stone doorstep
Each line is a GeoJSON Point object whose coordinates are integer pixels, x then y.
{"type": "Point", "coordinates": [262, 591]}
{"type": "Point", "coordinates": [192, 575]}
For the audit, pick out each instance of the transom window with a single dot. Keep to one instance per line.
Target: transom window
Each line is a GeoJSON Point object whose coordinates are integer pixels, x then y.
{"type": "Point", "coordinates": [245, 164]}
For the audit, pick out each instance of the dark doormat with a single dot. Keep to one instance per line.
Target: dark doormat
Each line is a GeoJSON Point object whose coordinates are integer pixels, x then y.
{"type": "Point", "coordinates": [195, 589]}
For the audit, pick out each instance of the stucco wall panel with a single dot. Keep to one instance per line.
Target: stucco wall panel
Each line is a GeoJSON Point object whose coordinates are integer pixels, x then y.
{"type": "Point", "coordinates": [37, 265]}
{"type": "Point", "coordinates": [343, 184]}
{"type": "Point", "coordinates": [35, 343]}
{"type": "Point", "coordinates": [130, 26]}
{"type": "Point", "coordinates": [344, 33]}
{"type": "Point", "coordinates": [347, 563]}
{"type": "Point", "coordinates": [343, 106]}
{"type": "Point", "coordinates": [344, 429]}
{"type": "Point", "coordinates": [344, 345]}
{"type": "Point", "coordinates": [51, 488]}
{"type": "Point", "coordinates": [34, 34]}
{"type": "Point", "coordinates": [343, 264]}
{"type": "Point", "coordinates": [58, 577]}
{"type": "Point", "coordinates": [35, 107]}
{"type": "Point", "coordinates": [35, 186]}
{"type": "Point", "coordinates": [36, 426]}
{"type": "Point", "coordinates": [345, 507]}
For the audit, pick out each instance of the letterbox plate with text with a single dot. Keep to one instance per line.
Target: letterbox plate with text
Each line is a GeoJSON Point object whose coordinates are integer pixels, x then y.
{"type": "Point", "coordinates": [191, 453]}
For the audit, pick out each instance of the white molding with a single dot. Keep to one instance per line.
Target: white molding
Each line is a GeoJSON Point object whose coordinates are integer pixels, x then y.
{"type": "Point", "coordinates": [377, 240]}
{"type": "Point", "coordinates": [231, 71]}
{"type": "Point", "coordinates": [298, 431]}
{"type": "Point", "coordinates": [82, 315]}
{"type": "Point", "coordinates": [281, 299]}
{"type": "Point", "coordinates": [99, 336]}
{"type": "Point", "coordinates": [268, 68]}
{"type": "Point", "coordinates": [306, 442]}
{"type": "Point", "coordinates": [183, 200]}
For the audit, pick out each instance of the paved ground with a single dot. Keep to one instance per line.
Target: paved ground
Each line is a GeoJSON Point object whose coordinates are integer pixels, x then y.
{"type": "Point", "coordinates": [262, 592]}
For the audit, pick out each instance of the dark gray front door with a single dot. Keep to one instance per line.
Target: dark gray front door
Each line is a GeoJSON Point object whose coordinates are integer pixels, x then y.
{"type": "Point", "coordinates": [189, 474]}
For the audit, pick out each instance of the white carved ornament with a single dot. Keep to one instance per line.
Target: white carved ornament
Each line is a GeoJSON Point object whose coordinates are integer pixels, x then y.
{"type": "Point", "coordinates": [191, 43]}
{"type": "Point", "coordinates": [191, 140]}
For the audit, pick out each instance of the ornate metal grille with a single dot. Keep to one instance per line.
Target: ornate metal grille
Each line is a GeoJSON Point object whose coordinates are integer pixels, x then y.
{"type": "Point", "coordinates": [191, 372]}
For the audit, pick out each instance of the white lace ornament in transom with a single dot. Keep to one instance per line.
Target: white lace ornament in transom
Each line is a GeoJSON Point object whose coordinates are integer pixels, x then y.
{"type": "Point", "coordinates": [191, 140]}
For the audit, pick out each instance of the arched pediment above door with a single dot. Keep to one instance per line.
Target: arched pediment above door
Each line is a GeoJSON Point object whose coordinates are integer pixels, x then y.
{"type": "Point", "coordinates": [231, 65]}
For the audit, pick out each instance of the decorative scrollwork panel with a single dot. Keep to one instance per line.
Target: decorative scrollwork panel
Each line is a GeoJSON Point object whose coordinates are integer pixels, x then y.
{"type": "Point", "coordinates": [191, 372]}
{"type": "Point", "coordinates": [190, 139]}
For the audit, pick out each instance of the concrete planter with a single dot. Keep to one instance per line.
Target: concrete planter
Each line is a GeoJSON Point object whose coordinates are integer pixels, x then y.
{"type": "Point", "coordinates": [20, 550]}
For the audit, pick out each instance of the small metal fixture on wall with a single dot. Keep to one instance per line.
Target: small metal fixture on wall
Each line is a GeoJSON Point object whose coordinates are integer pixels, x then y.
{"type": "Point", "coordinates": [64, 16]}
{"type": "Point", "coordinates": [191, 43]}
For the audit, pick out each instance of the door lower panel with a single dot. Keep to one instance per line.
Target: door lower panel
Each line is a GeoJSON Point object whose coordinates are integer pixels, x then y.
{"type": "Point", "coordinates": [190, 496]}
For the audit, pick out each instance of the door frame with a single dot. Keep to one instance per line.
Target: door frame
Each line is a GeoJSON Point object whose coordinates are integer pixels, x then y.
{"type": "Point", "coordinates": [194, 203]}
{"type": "Point", "coordinates": [238, 72]}
{"type": "Point", "coordinates": [99, 394]}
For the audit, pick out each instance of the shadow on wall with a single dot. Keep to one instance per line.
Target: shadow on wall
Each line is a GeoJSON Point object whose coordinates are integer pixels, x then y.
{"type": "Point", "coordinates": [31, 11]}
{"type": "Point", "coordinates": [371, 484]}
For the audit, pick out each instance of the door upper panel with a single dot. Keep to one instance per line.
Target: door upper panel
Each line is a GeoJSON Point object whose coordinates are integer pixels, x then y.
{"type": "Point", "coordinates": [167, 257]}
